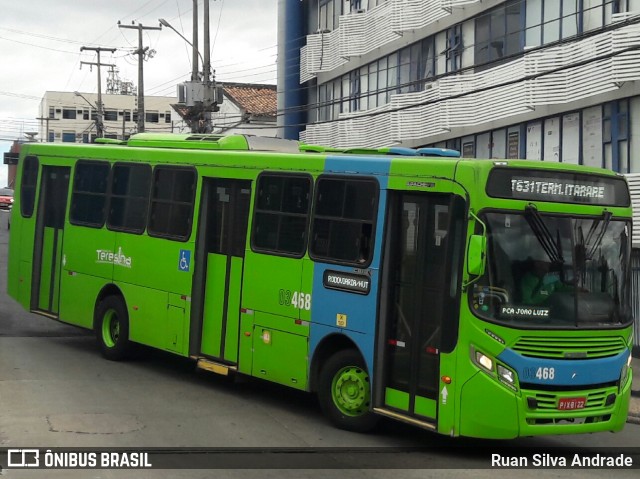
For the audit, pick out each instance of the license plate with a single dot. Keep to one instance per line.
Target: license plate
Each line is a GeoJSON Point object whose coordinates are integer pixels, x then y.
{"type": "Point", "coordinates": [567, 404]}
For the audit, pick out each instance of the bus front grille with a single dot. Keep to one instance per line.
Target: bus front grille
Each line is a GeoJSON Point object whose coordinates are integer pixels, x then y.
{"type": "Point", "coordinates": [569, 348]}
{"type": "Point", "coordinates": [548, 401]}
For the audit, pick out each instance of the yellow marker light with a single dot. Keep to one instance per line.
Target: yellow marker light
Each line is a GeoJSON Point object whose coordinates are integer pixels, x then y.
{"type": "Point", "coordinates": [446, 379]}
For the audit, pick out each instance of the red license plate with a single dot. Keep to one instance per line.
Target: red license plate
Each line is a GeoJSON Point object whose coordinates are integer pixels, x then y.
{"type": "Point", "coordinates": [567, 404]}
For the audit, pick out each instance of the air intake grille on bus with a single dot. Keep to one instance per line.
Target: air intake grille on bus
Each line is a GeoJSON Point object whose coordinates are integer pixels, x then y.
{"type": "Point", "coordinates": [569, 348]}
{"type": "Point", "coordinates": [549, 400]}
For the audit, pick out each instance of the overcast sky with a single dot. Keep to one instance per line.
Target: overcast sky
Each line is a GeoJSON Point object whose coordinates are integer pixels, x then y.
{"type": "Point", "coordinates": [40, 44]}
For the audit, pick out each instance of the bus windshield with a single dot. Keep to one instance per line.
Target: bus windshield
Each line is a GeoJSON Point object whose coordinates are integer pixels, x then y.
{"type": "Point", "coordinates": [547, 271]}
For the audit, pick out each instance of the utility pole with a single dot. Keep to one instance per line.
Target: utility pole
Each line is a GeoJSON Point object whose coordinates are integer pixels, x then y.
{"type": "Point", "coordinates": [206, 67]}
{"type": "Point", "coordinates": [200, 96]}
{"type": "Point", "coordinates": [99, 116]}
{"type": "Point", "coordinates": [46, 128]}
{"type": "Point", "coordinates": [194, 43]}
{"type": "Point", "coordinates": [141, 51]}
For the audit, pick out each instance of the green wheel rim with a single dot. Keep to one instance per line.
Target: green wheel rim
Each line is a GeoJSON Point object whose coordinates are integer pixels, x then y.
{"type": "Point", "coordinates": [110, 328]}
{"type": "Point", "coordinates": [350, 391]}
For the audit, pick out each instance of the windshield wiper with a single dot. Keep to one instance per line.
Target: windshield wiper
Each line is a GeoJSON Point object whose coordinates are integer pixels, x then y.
{"type": "Point", "coordinates": [543, 235]}
{"type": "Point", "coordinates": [606, 219]}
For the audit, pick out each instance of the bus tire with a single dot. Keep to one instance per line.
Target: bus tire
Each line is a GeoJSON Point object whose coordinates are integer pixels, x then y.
{"type": "Point", "coordinates": [112, 328]}
{"type": "Point", "coordinates": [344, 392]}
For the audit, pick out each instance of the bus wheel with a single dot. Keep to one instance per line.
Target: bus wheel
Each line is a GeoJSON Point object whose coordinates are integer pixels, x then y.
{"type": "Point", "coordinates": [345, 392]}
{"type": "Point", "coordinates": [112, 328]}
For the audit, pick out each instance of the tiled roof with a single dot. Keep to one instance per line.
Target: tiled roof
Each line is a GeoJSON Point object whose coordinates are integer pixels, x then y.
{"type": "Point", "coordinates": [252, 98]}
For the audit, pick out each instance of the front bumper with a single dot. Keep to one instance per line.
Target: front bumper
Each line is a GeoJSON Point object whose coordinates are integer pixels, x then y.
{"type": "Point", "coordinates": [490, 410]}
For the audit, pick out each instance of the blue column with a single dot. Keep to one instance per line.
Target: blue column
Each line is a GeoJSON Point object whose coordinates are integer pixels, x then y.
{"type": "Point", "coordinates": [291, 95]}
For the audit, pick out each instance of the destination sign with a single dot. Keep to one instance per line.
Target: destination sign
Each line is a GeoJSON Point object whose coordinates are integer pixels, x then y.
{"type": "Point", "coordinates": [353, 283]}
{"type": "Point", "coordinates": [558, 186]}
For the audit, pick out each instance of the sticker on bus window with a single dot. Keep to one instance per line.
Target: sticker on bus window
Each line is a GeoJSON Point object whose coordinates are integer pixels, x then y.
{"type": "Point", "coordinates": [184, 262]}
{"type": "Point", "coordinates": [352, 283]}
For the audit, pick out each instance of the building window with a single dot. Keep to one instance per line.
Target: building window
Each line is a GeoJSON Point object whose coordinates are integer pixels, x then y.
{"type": "Point", "coordinates": [68, 113]}
{"type": "Point", "coordinates": [127, 115]}
{"type": "Point", "coordinates": [356, 5]}
{"type": "Point", "coordinates": [281, 214]}
{"type": "Point", "coordinates": [548, 21]}
{"type": "Point", "coordinates": [322, 102]}
{"type": "Point", "coordinates": [343, 220]}
{"type": "Point", "coordinates": [372, 83]}
{"type": "Point", "coordinates": [328, 15]}
{"type": "Point", "coordinates": [498, 33]}
{"type": "Point", "coordinates": [129, 197]}
{"type": "Point", "coordinates": [454, 48]}
{"type": "Point", "coordinates": [151, 117]}
{"type": "Point", "coordinates": [68, 136]}
{"type": "Point", "coordinates": [570, 149]}
{"type": "Point", "coordinates": [172, 197]}
{"type": "Point", "coordinates": [354, 92]}
{"type": "Point", "coordinates": [167, 117]}
{"type": "Point", "coordinates": [28, 186]}
{"type": "Point", "coordinates": [615, 127]}
{"type": "Point", "coordinates": [111, 115]}
{"type": "Point", "coordinates": [89, 196]}
{"type": "Point", "coordinates": [52, 112]}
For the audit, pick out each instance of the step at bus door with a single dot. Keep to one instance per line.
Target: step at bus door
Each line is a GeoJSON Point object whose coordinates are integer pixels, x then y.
{"type": "Point", "coordinates": [225, 232]}
{"type": "Point", "coordinates": [418, 300]}
{"type": "Point", "coordinates": [49, 235]}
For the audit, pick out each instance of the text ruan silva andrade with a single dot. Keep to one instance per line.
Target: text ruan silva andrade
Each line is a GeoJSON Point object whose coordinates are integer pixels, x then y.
{"type": "Point", "coordinates": [550, 460]}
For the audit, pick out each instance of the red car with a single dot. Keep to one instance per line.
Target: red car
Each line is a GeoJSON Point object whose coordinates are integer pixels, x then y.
{"type": "Point", "coordinates": [6, 199]}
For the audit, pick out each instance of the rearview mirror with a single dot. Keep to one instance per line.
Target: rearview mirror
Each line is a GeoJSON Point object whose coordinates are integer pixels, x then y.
{"type": "Point", "coordinates": [476, 257]}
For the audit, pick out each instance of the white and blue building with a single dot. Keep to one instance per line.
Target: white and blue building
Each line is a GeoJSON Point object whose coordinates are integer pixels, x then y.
{"type": "Point", "coordinates": [550, 80]}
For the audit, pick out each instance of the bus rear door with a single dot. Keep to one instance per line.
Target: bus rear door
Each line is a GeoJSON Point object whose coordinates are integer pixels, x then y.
{"type": "Point", "coordinates": [49, 235]}
{"type": "Point", "coordinates": [223, 232]}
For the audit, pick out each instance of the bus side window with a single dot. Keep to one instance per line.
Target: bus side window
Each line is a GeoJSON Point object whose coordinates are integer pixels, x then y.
{"type": "Point", "coordinates": [281, 214]}
{"type": "Point", "coordinates": [173, 192]}
{"type": "Point", "coordinates": [344, 220]}
{"type": "Point", "coordinates": [129, 197]}
{"type": "Point", "coordinates": [28, 186]}
{"type": "Point", "coordinates": [89, 197]}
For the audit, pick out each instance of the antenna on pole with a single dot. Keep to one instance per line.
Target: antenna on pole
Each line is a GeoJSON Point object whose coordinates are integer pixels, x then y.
{"type": "Point", "coordinates": [99, 105]}
{"type": "Point", "coordinates": [141, 52]}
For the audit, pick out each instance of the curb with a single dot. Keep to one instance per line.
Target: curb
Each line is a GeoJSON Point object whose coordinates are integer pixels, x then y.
{"type": "Point", "coordinates": [633, 419]}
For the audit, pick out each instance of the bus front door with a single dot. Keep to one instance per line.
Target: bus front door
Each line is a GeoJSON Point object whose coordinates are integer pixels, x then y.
{"type": "Point", "coordinates": [223, 232]}
{"type": "Point", "coordinates": [416, 301]}
{"type": "Point", "coordinates": [49, 235]}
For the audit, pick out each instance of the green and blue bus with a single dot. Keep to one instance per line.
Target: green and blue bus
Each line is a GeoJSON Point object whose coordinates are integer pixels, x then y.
{"type": "Point", "coordinates": [481, 298]}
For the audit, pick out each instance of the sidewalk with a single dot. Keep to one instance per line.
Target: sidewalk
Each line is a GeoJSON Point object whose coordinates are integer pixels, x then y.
{"type": "Point", "coordinates": [634, 404]}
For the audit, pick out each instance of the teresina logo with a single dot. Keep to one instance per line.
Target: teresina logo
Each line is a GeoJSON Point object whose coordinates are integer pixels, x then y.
{"type": "Point", "coordinates": [119, 259]}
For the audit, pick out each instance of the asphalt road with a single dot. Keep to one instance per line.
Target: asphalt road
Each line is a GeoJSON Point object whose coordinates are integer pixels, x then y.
{"type": "Point", "coordinates": [57, 391]}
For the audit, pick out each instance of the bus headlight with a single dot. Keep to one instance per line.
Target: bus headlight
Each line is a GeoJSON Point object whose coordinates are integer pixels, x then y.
{"type": "Point", "coordinates": [507, 376]}
{"type": "Point", "coordinates": [482, 360]}
{"type": "Point", "coordinates": [624, 374]}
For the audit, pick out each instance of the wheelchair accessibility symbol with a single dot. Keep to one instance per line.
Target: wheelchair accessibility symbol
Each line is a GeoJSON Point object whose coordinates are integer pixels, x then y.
{"type": "Point", "coordinates": [184, 263]}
